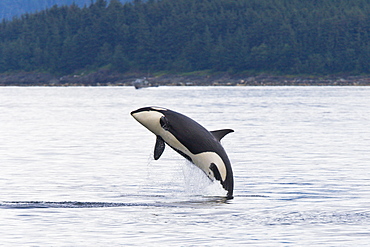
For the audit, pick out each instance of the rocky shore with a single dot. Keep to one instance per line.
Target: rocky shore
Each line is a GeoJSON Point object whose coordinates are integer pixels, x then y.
{"type": "Point", "coordinates": [109, 78]}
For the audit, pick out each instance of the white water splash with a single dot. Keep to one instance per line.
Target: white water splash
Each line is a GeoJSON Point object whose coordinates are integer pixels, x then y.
{"type": "Point", "coordinates": [197, 183]}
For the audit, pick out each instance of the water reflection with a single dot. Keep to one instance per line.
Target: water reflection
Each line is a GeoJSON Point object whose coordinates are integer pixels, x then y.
{"type": "Point", "coordinates": [43, 204]}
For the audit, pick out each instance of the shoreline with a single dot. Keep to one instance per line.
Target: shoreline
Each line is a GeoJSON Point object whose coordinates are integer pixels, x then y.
{"type": "Point", "coordinates": [109, 78]}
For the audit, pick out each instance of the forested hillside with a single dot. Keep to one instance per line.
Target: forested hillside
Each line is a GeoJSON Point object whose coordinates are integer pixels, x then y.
{"type": "Point", "coordinates": [276, 36]}
{"type": "Point", "coordinates": [11, 8]}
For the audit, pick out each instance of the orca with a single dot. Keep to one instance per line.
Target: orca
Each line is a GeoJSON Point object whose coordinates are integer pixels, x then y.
{"type": "Point", "coordinates": [191, 140]}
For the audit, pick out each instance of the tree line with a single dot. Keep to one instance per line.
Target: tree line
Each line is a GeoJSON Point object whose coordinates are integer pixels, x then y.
{"type": "Point", "coordinates": [11, 8]}
{"type": "Point", "coordinates": [274, 36]}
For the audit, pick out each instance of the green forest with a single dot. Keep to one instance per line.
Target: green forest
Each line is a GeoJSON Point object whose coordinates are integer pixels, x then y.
{"type": "Point", "coordinates": [11, 8]}
{"type": "Point", "coordinates": [235, 36]}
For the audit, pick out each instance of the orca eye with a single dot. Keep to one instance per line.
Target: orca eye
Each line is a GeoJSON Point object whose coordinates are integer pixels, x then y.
{"type": "Point", "coordinates": [164, 123]}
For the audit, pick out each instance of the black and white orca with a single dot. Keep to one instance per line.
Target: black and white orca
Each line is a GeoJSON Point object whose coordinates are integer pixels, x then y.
{"type": "Point", "coordinates": [191, 140]}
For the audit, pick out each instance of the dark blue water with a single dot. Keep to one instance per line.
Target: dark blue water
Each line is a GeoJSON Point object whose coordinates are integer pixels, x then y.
{"type": "Point", "coordinates": [77, 169]}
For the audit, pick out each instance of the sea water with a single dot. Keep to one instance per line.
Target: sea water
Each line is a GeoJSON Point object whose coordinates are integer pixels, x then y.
{"type": "Point", "coordinates": [77, 170]}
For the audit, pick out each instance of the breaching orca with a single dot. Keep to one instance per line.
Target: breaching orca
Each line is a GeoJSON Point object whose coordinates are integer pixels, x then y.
{"type": "Point", "coordinates": [191, 140]}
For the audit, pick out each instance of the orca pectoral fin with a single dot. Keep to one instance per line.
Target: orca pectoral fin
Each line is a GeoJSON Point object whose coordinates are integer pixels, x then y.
{"type": "Point", "coordinates": [159, 147]}
{"type": "Point", "coordinates": [219, 134]}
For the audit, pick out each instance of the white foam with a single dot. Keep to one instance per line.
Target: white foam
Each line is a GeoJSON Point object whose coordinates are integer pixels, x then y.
{"type": "Point", "coordinates": [197, 183]}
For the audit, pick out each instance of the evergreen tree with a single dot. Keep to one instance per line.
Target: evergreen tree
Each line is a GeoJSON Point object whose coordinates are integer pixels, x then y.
{"type": "Point", "coordinates": [277, 36]}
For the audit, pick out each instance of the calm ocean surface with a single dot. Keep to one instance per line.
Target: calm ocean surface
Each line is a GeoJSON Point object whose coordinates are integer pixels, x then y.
{"type": "Point", "coordinates": [77, 170]}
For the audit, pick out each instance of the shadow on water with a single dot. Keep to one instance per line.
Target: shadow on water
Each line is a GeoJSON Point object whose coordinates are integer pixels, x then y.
{"type": "Point", "coordinates": [75, 204]}
{"type": "Point", "coordinates": [186, 202]}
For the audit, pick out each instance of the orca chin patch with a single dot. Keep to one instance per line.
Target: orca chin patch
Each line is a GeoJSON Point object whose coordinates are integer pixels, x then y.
{"type": "Point", "coordinates": [215, 171]}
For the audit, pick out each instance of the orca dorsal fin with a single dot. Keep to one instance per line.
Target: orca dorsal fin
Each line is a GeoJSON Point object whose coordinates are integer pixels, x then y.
{"type": "Point", "coordinates": [159, 147]}
{"type": "Point", "coordinates": [219, 134]}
